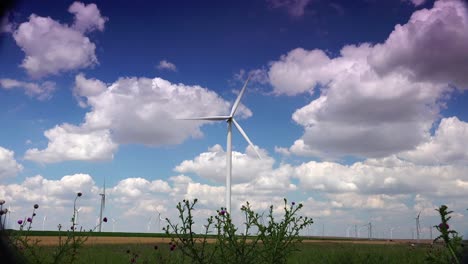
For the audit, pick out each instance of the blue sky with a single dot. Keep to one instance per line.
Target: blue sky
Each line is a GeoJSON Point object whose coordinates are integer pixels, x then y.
{"type": "Point", "coordinates": [358, 108]}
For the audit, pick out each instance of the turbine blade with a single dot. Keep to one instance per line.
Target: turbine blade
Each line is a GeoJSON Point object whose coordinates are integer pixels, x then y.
{"type": "Point", "coordinates": [236, 103]}
{"type": "Point", "coordinates": [246, 137]}
{"type": "Point", "coordinates": [212, 118]}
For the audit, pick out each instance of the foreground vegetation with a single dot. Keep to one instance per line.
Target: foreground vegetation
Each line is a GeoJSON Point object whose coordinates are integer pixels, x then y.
{"type": "Point", "coordinates": [255, 241]}
{"type": "Point", "coordinates": [308, 253]}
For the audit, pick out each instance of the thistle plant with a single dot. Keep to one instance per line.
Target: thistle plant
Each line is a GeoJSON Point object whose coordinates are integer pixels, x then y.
{"type": "Point", "coordinates": [451, 252]}
{"type": "Point", "coordinates": [258, 243]}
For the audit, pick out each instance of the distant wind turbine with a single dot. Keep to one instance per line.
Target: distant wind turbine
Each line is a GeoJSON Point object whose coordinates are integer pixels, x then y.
{"type": "Point", "coordinates": [103, 204]}
{"type": "Point", "coordinates": [159, 221]}
{"type": "Point", "coordinates": [230, 120]}
{"type": "Point", "coordinates": [418, 227]}
{"type": "Point", "coordinates": [77, 212]}
{"type": "Point", "coordinates": [8, 215]}
{"type": "Point", "coordinates": [148, 225]}
{"type": "Point", "coordinates": [43, 222]}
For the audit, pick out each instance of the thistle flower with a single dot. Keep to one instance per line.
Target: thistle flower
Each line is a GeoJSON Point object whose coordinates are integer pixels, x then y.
{"type": "Point", "coordinates": [293, 203]}
{"type": "Point", "coordinates": [104, 219]}
{"type": "Point", "coordinates": [444, 226]}
{"type": "Point", "coordinates": [79, 194]}
{"type": "Point", "coordinates": [222, 212]}
{"type": "Point", "coordinates": [20, 222]}
{"type": "Point", "coordinates": [29, 220]}
{"type": "Point", "coordinates": [36, 206]}
{"type": "Point", "coordinates": [2, 202]}
{"type": "Point", "coordinates": [2, 212]}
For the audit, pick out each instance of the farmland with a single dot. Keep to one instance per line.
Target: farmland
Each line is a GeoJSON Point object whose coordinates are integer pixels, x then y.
{"type": "Point", "coordinates": [113, 247]}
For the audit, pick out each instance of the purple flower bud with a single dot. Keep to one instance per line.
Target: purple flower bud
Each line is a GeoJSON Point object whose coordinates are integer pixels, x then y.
{"type": "Point", "coordinates": [34, 214]}
{"type": "Point", "coordinates": [20, 222]}
{"type": "Point", "coordinates": [29, 220]}
{"type": "Point", "coordinates": [444, 226]}
{"type": "Point", "coordinates": [79, 194]}
{"type": "Point", "coordinates": [2, 202]}
{"type": "Point", "coordinates": [293, 203]}
{"type": "Point", "coordinates": [222, 212]}
{"type": "Point", "coordinates": [36, 206]}
{"type": "Point", "coordinates": [104, 219]}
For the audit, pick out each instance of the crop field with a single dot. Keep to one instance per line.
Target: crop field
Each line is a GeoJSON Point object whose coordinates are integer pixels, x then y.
{"type": "Point", "coordinates": [104, 248]}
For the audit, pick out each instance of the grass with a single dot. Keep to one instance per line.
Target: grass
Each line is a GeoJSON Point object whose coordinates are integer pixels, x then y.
{"type": "Point", "coordinates": [357, 253]}
{"type": "Point", "coordinates": [309, 253]}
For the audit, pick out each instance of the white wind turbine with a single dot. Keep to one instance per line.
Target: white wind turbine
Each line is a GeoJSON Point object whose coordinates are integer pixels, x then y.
{"type": "Point", "coordinates": [159, 221]}
{"type": "Point", "coordinates": [148, 225]}
{"type": "Point", "coordinates": [77, 212]}
{"type": "Point", "coordinates": [103, 204]}
{"type": "Point", "coordinates": [8, 215]}
{"type": "Point", "coordinates": [43, 222]}
{"type": "Point", "coordinates": [230, 120]}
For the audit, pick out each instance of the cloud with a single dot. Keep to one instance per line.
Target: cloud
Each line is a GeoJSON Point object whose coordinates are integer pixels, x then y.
{"type": "Point", "coordinates": [416, 2]}
{"type": "Point", "coordinates": [256, 76]}
{"type": "Point", "coordinates": [295, 8]}
{"type": "Point", "coordinates": [51, 47]}
{"type": "Point", "coordinates": [9, 167]}
{"type": "Point", "coordinates": [447, 146]}
{"type": "Point", "coordinates": [68, 142]}
{"type": "Point", "coordinates": [5, 25]}
{"type": "Point", "coordinates": [336, 126]}
{"type": "Point", "coordinates": [430, 46]}
{"type": "Point", "coordinates": [371, 92]}
{"type": "Point", "coordinates": [86, 88]}
{"type": "Point", "coordinates": [131, 110]}
{"type": "Point", "coordinates": [87, 17]}
{"type": "Point", "coordinates": [166, 65]}
{"type": "Point", "coordinates": [41, 91]}
{"type": "Point", "coordinates": [135, 202]}
{"type": "Point", "coordinates": [253, 179]}
{"type": "Point", "coordinates": [389, 176]}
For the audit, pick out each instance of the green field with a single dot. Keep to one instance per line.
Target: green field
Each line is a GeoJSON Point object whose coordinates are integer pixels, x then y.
{"type": "Point", "coordinates": [308, 253]}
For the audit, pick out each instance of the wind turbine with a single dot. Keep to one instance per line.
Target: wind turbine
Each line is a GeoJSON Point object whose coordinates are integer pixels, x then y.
{"type": "Point", "coordinates": [77, 211]}
{"type": "Point", "coordinates": [103, 204]}
{"type": "Point", "coordinates": [43, 222]}
{"type": "Point", "coordinates": [8, 215]}
{"type": "Point", "coordinates": [148, 225]}
{"type": "Point", "coordinates": [230, 120]}
{"type": "Point", "coordinates": [159, 221]}
{"type": "Point", "coordinates": [418, 227]}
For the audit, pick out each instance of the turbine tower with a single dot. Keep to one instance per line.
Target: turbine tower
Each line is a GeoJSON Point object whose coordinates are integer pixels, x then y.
{"type": "Point", "coordinates": [230, 120]}
{"type": "Point", "coordinates": [43, 222]}
{"type": "Point", "coordinates": [418, 227]}
{"type": "Point", "coordinates": [103, 204]}
{"type": "Point", "coordinates": [159, 221]}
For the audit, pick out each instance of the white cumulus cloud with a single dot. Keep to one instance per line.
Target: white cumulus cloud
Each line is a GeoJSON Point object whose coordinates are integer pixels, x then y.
{"type": "Point", "coordinates": [370, 93]}
{"type": "Point", "coordinates": [9, 167]}
{"type": "Point", "coordinates": [51, 47]}
{"type": "Point", "coordinates": [41, 91]}
{"type": "Point", "coordinates": [166, 65]}
{"type": "Point", "coordinates": [131, 110]}
{"type": "Point", "coordinates": [68, 142]}
{"type": "Point", "coordinates": [447, 146]}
